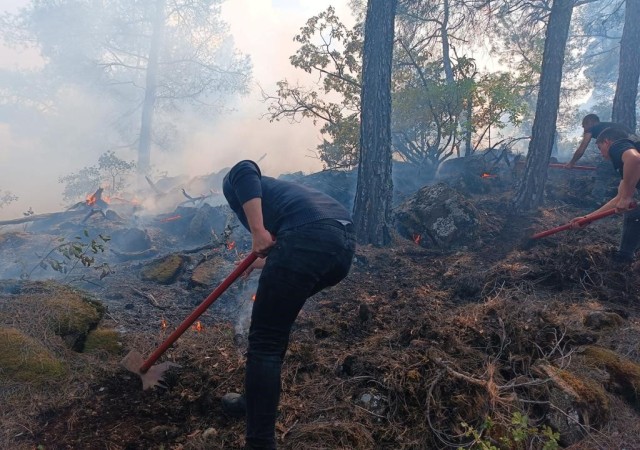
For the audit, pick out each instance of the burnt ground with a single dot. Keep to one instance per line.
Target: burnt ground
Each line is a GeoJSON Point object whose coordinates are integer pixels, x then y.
{"type": "Point", "coordinates": [412, 346]}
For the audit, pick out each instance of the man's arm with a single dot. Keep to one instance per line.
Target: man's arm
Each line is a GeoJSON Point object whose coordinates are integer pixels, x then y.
{"type": "Point", "coordinates": [630, 178]}
{"type": "Point", "coordinates": [262, 241]}
{"type": "Point", "coordinates": [586, 138]}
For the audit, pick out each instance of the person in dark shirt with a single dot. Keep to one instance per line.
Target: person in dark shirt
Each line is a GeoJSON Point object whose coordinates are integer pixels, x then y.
{"type": "Point", "coordinates": [592, 128]}
{"type": "Point", "coordinates": [614, 144]}
{"type": "Point", "coordinates": [305, 241]}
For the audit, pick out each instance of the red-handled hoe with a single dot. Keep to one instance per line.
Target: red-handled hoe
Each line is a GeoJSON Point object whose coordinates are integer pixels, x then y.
{"type": "Point", "coordinates": [153, 375]}
{"type": "Point", "coordinates": [581, 222]}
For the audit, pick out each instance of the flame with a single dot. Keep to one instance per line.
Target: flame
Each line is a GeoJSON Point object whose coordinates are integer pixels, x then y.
{"type": "Point", "coordinates": [488, 175]}
{"type": "Point", "coordinates": [170, 219]}
{"type": "Point", "coordinates": [163, 324]}
{"type": "Point", "coordinates": [197, 327]}
{"type": "Point", "coordinates": [231, 245]}
{"type": "Point", "coordinates": [417, 238]}
{"type": "Point", "coordinates": [106, 199]}
{"type": "Point", "coordinates": [91, 200]}
{"type": "Point", "coordinates": [253, 299]}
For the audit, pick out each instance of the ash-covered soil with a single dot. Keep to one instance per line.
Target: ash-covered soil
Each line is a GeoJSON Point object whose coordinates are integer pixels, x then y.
{"type": "Point", "coordinates": [418, 348]}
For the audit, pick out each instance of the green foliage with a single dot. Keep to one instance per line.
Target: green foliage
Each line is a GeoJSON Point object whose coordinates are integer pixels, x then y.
{"type": "Point", "coordinates": [518, 435]}
{"type": "Point", "coordinates": [111, 171]}
{"type": "Point", "coordinates": [68, 254]}
{"type": "Point", "coordinates": [334, 52]}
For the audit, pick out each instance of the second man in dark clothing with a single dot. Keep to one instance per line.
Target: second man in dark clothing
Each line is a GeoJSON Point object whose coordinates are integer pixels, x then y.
{"type": "Point", "coordinates": [306, 243]}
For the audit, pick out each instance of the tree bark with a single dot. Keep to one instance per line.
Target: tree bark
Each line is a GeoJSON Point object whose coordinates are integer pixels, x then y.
{"type": "Point", "coordinates": [624, 101]}
{"type": "Point", "coordinates": [372, 206]}
{"type": "Point", "coordinates": [530, 191]}
{"type": "Point", "coordinates": [151, 86]}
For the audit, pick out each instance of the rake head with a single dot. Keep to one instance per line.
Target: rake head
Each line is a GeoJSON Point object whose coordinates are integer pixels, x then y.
{"type": "Point", "coordinates": [152, 377]}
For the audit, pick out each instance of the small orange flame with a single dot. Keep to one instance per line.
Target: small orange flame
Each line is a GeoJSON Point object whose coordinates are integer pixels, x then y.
{"type": "Point", "coordinates": [106, 199]}
{"type": "Point", "coordinates": [417, 238]}
{"type": "Point", "coordinates": [163, 324]}
{"type": "Point", "coordinates": [197, 327]}
{"type": "Point", "coordinates": [91, 200]}
{"type": "Point", "coordinates": [170, 219]}
{"type": "Point", "coordinates": [253, 299]}
{"type": "Point", "coordinates": [231, 245]}
{"type": "Point", "coordinates": [488, 175]}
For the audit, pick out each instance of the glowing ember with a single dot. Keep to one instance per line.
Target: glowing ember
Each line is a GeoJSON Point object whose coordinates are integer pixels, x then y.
{"type": "Point", "coordinates": [417, 238]}
{"type": "Point", "coordinates": [197, 326]}
{"type": "Point", "coordinates": [91, 200]}
{"type": "Point", "coordinates": [488, 175]}
{"type": "Point", "coordinates": [253, 299]}
{"type": "Point", "coordinates": [170, 219]}
{"type": "Point", "coordinates": [163, 324]}
{"type": "Point", "coordinates": [231, 245]}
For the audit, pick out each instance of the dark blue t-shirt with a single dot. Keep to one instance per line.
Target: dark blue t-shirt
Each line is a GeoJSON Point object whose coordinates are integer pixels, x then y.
{"type": "Point", "coordinates": [616, 150]}
{"type": "Point", "coordinates": [284, 204]}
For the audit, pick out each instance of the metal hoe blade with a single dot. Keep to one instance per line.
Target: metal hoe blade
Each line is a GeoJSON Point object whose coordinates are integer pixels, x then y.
{"type": "Point", "coordinates": [152, 377]}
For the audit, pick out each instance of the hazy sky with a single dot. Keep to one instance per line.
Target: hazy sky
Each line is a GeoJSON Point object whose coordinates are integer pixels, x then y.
{"type": "Point", "coordinates": [264, 29]}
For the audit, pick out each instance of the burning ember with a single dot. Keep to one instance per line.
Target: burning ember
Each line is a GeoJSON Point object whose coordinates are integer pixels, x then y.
{"type": "Point", "coordinates": [417, 238]}
{"type": "Point", "coordinates": [96, 199]}
{"type": "Point", "coordinates": [163, 324]}
{"type": "Point", "coordinates": [91, 200]}
{"type": "Point", "coordinates": [253, 299]}
{"type": "Point", "coordinates": [231, 245]}
{"type": "Point", "coordinates": [170, 219]}
{"type": "Point", "coordinates": [197, 326]}
{"type": "Point", "coordinates": [488, 175]}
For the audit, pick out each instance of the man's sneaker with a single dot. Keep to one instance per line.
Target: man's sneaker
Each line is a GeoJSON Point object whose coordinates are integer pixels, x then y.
{"type": "Point", "coordinates": [234, 405]}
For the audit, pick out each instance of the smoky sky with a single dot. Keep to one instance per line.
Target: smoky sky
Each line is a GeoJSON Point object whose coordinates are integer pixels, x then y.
{"type": "Point", "coordinates": [263, 29]}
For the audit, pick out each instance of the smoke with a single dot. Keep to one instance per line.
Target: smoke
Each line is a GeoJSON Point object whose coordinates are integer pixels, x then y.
{"type": "Point", "coordinates": [34, 155]}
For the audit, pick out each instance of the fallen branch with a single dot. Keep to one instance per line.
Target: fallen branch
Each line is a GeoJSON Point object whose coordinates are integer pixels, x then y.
{"type": "Point", "coordinates": [34, 218]}
{"type": "Point", "coordinates": [136, 255]}
{"type": "Point", "coordinates": [153, 186]}
{"type": "Point", "coordinates": [149, 297]}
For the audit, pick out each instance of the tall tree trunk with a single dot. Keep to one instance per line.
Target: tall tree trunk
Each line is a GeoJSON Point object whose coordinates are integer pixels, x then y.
{"type": "Point", "coordinates": [624, 102]}
{"type": "Point", "coordinates": [148, 106]}
{"type": "Point", "coordinates": [530, 192]}
{"type": "Point", "coordinates": [444, 33]}
{"type": "Point", "coordinates": [372, 208]}
{"type": "Point", "coordinates": [468, 131]}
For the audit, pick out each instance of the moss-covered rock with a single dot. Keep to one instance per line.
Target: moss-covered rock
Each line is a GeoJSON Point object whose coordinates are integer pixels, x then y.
{"type": "Point", "coordinates": [165, 270]}
{"type": "Point", "coordinates": [46, 307]}
{"type": "Point", "coordinates": [103, 340]}
{"type": "Point", "coordinates": [624, 374]}
{"type": "Point", "coordinates": [24, 359]}
{"type": "Point", "coordinates": [209, 272]}
{"type": "Point", "coordinates": [580, 403]}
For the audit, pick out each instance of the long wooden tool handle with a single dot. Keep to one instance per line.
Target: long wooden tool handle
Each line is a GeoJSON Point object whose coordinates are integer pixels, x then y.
{"type": "Point", "coordinates": [186, 323]}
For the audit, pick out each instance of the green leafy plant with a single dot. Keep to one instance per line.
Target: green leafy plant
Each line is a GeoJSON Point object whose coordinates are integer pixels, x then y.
{"type": "Point", "coordinates": [69, 254]}
{"type": "Point", "coordinates": [518, 435]}
{"type": "Point", "coordinates": [111, 173]}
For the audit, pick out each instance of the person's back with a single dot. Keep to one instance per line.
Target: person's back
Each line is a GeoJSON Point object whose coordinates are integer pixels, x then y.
{"type": "Point", "coordinates": [592, 128]}
{"type": "Point", "coordinates": [305, 242]}
{"type": "Point", "coordinates": [285, 204]}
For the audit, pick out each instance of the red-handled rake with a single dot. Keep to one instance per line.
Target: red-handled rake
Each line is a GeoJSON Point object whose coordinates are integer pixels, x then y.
{"type": "Point", "coordinates": [153, 375]}
{"type": "Point", "coordinates": [581, 222]}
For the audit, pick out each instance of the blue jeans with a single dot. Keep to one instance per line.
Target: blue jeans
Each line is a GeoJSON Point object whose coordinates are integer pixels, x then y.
{"type": "Point", "coordinates": [303, 261]}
